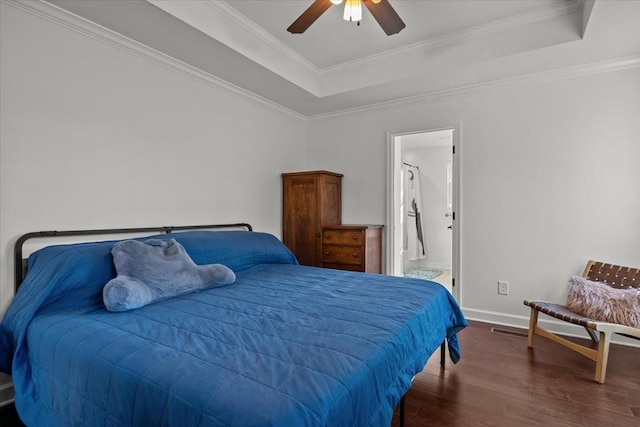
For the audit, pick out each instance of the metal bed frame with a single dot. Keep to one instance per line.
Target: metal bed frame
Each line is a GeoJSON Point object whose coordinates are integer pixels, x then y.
{"type": "Point", "coordinates": [20, 265]}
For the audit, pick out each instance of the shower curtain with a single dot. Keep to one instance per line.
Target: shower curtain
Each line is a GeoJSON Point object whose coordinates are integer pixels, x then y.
{"type": "Point", "coordinates": [414, 237]}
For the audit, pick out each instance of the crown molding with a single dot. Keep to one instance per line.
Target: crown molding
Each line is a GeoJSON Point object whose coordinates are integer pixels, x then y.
{"type": "Point", "coordinates": [80, 25]}
{"type": "Point", "coordinates": [558, 9]}
{"type": "Point", "coordinates": [284, 61]}
{"type": "Point", "coordinates": [225, 25]}
{"type": "Point", "coordinates": [419, 48]}
{"type": "Point", "coordinates": [582, 70]}
{"type": "Point", "coordinates": [251, 27]}
{"type": "Point", "coordinates": [73, 22]}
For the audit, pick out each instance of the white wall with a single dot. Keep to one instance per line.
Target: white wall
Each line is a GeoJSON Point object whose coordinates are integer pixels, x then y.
{"type": "Point", "coordinates": [95, 137]}
{"type": "Point", "coordinates": [549, 179]}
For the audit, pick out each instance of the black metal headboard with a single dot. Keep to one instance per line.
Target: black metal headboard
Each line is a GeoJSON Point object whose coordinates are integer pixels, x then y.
{"type": "Point", "coordinates": [20, 265]}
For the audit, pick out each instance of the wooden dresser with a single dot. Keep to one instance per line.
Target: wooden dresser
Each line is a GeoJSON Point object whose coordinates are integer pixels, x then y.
{"type": "Point", "coordinates": [311, 200]}
{"type": "Point", "coordinates": [352, 247]}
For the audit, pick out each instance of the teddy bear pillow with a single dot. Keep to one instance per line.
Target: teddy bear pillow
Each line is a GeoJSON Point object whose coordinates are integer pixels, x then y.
{"type": "Point", "coordinates": [153, 270]}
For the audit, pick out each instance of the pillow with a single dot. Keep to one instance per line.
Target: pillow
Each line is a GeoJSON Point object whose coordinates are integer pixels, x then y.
{"type": "Point", "coordinates": [238, 250]}
{"type": "Point", "coordinates": [154, 270]}
{"type": "Point", "coordinates": [602, 302]}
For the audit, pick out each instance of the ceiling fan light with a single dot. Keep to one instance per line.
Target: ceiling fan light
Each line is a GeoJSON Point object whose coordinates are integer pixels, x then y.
{"type": "Point", "coordinates": [338, 1]}
{"type": "Point", "coordinates": [352, 10]}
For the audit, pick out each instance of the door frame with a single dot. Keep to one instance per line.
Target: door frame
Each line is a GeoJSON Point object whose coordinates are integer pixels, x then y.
{"type": "Point", "coordinates": [393, 261]}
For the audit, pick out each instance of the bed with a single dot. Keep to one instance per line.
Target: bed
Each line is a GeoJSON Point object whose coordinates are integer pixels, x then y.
{"type": "Point", "coordinates": [285, 345]}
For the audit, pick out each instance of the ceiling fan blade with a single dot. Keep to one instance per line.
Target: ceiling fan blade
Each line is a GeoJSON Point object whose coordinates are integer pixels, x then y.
{"type": "Point", "coordinates": [386, 16]}
{"type": "Point", "coordinates": [309, 16]}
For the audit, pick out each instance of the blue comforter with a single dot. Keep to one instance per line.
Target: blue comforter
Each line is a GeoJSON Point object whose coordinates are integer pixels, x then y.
{"type": "Point", "coordinates": [286, 345]}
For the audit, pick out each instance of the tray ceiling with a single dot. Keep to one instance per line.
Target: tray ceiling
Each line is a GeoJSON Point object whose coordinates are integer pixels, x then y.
{"type": "Point", "coordinates": [336, 65]}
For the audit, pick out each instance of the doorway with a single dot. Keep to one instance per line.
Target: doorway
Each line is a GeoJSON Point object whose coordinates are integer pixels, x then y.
{"type": "Point", "coordinates": [422, 200]}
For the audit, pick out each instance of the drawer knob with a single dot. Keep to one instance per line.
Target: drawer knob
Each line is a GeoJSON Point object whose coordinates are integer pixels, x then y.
{"type": "Point", "coordinates": [355, 237]}
{"type": "Point", "coordinates": [326, 253]}
{"type": "Point", "coordinates": [355, 255]}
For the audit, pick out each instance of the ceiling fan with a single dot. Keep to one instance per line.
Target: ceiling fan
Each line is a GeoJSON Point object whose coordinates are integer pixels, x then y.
{"type": "Point", "coordinates": [380, 9]}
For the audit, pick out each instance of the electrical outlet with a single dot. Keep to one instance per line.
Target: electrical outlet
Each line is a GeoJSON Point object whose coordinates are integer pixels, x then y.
{"type": "Point", "coordinates": [503, 287]}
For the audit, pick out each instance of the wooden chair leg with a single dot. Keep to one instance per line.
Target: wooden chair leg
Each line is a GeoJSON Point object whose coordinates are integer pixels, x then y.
{"type": "Point", "coordinates": [533, 321]}
{"type": "Point", "coordinates": [603, 356]}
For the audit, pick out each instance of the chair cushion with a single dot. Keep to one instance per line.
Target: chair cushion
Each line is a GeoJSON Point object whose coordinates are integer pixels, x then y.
{"type": "Point", "coordinates": [600, 301]}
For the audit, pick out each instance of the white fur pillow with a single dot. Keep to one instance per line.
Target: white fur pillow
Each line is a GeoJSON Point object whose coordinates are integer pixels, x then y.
{"type": "Point", "coordinates": [602, 302]}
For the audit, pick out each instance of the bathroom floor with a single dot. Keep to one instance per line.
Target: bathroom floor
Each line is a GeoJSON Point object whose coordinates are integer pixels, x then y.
{"type": "Point", "coordinates": [444, 278]}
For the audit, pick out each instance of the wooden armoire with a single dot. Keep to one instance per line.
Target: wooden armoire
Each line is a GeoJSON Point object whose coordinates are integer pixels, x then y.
{"type": "Point", "coordinates": [311, 200]}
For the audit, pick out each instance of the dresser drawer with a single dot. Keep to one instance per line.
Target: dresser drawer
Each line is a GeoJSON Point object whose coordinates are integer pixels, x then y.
{"type": "Point", "coordinates": [342, 254]}
{"type": "Point", "coordinates": [354, 247]}
{"type": "Point", "coordinates": [343, 237]}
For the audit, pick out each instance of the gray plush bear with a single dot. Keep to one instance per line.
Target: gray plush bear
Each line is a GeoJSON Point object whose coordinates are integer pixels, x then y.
{"type": "Point", "coordinates": [153, 270]}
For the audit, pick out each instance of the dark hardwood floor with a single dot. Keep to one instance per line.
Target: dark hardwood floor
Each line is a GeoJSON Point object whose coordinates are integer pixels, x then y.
{"type": "Point", "coordinates": [9, 417]}
{"type": "Point", "coordinates": [500, 382]}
